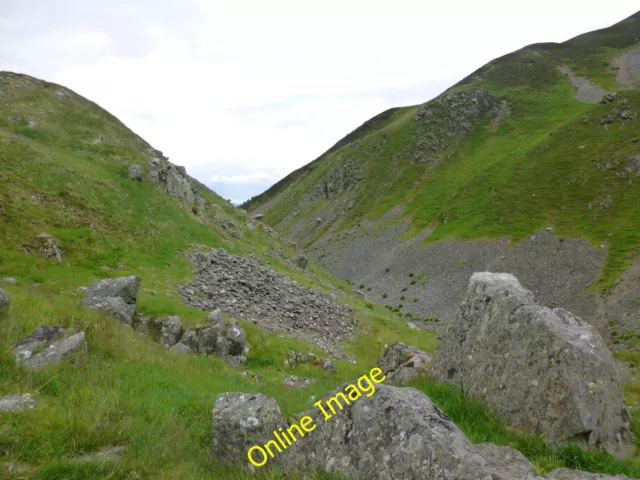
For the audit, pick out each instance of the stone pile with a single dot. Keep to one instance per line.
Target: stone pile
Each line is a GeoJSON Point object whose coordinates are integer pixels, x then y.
{"type": "Point", "coordinates": [244, 288]}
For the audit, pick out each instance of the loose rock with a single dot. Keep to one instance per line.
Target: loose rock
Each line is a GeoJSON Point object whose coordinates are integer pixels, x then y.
{"type": "Point", "coordinates": [48, 346]}
{"type": "Point", "coordinates": [292, 381]}
{"type": "Point", "coordinates": [171, 331]}
{"type": "Point", "coordinates": [48, 248]}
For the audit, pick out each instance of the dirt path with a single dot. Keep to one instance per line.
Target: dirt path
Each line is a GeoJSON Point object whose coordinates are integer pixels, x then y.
{"type": "Point", "coordinates": [627, 68]}
{"type": "Point", "coordinates": [587, 91]}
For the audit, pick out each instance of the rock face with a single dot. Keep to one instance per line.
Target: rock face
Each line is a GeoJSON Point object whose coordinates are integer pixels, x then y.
{"type": "Point", "coordinates": [402, 363]}
{"type": "Point", "coordinates": [541, 370]}
{"type": "Point", "coordinates": [17, 403]}
{"type": "Point", "coordinates": [135, 173]}
{"type": "Point", "coordinates": [48, 346]}
{"type": "Point", "coordinates": [173, 178]}
{"type": "Point", "coordinates": [244, 288]}
{"type": "Point", "coordinates": [48, 248]}
{"type": "Point", "coordinates": [241, 420]}
{"type": "Point", "coordinates": [5, 300]}
{"type": "Point", "coordinates": [116, 296]}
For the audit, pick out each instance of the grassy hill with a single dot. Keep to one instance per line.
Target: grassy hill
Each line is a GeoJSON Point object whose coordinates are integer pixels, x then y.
{"type": "Point", "coordinates": [536, 156]}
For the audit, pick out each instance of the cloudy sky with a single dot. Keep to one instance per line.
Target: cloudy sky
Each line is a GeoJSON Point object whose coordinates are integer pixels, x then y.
{"type": "Point", "coordinates": [243, 92]}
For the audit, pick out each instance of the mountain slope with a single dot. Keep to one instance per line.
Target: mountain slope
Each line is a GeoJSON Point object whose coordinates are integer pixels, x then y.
{"type": "Point", "coordinates": [442, 189]}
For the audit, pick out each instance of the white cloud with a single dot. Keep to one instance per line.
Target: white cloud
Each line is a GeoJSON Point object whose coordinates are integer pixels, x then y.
{"type": "Point", "coordinates": [244, 92]}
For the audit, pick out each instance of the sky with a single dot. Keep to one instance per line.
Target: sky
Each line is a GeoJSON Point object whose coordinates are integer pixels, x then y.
{"type": "Point", "coordinates": [244, 92]}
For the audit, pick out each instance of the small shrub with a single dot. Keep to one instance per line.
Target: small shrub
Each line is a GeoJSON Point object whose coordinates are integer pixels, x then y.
{"type": "Point", "coordinates": [411, 274]}
{"type": "Point", "coordinates": [368, 289]}
{"type": "Point", "coordinates": [400, 306]}
{"type": "Point", "coordinates": [386, 270]}
{"type": "Point", "coordinates": [402, 297]}
{"type": "Point", "coordinates": [404, 289]}
{"type": "Point", "coordinates": [369, 305]}
{"type": "Point", "coordinates": [384, 295]}
{"type": "Point", "coordinates": [195, 209]}
{"type": "Point", "coordinates": [413, 282]}
{"type": "Point", "coordinates": [361, 285]}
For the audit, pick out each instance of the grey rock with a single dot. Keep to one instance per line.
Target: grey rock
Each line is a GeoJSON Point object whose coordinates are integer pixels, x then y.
{"type": "Point", "coordinates": [258, 216]}
{"type": "Point", "coordinates": [5, 300]}
{"type": "Point", "coordinates": [609, 97]}
{"type": "Point", "coordinates": [240, 421]}
{"type": "Point", "coordinates": [215, 317]}
{"type": "Point", "coordinates": [135, 173]}
{"type": "Point", "coordinates": [73, 348]}
{"type": "Point", "coordinates": [208, 340]}
{"type": "Point", "coordinates": [301, 262]}
{"type": "Point", "coordinates": [517, 356]}
{"type": "Point", "coordinates": [237, 339]}
{"type": "Point", "coordinates": [328, 366]}
{"type": "Point", "coordinates": [107, 454]}
{"type": "Point", "coordinates": [116, 296]}
{"type": "Point", "coordinates": [190, 339]}
{"type": "Point", "coordinates": [17, 403]}
{"type": "Point", "coordinates": [402, 363]}
{"type": "Point", "coordinates": [292, 381]}
{"type": "Point", "coordinates": [114, 306]}
{"type": "Point", "coordinates": [182, 349]}
{"type": "Point", "coordinates": [171, 331]}
{"type": "Point", "coordinates": [399, 433]}
{"type": "Point", "coordinates": [48, 248]}
{"type": "Point", "coordinates": [10, 281]}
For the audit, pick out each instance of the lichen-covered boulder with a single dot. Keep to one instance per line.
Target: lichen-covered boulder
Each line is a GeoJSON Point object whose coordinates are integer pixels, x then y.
{"type": "Point", "coordinates": [541, 370]}
{"type": "Point", "coordinates": [47, 247]}
{"type": "Point", "coordinates": [116, 296]}
{"type": "Point", "coordinates": [240, 421]}
{"type": "Point", "coordinates": [399, 433]}
{"type": "Point", "coordinates": [402, 363]}
{"type": "Point", "coordinates": [48, 346]}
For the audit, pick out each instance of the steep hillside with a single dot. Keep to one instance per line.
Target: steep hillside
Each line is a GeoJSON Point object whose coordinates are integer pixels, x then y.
{"type": "Point", "coordinates": [545, 139]}
{"type": "Point", "coordinates": [74, 211]}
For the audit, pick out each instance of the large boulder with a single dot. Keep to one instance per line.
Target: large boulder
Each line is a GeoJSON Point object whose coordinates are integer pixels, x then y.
{"type": "Point", "coordinates": [402, 363]}
{"type": "Point", "coordinates": [48, 346]}
{"type": "Point", "coordinates": [116, 296]}
{"type": "Point", "coordinates": [240, 421]}
{"type": "Point", "coordinates": [5, 300]}
{"type": "Point", "coordinates": [542, 370]}
{"type": "Point", "coordinates": [395, 433]}
{"type": "Point", "coordinates": [301, 262]}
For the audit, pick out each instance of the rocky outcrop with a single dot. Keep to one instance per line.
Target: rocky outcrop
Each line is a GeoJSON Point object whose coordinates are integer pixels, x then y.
{"type": "Point", "coordinates": [116, 296]}
{"type": "Point", "coordinates": [402, 363]}
{"type": "Point", "coordinates": [543, 371]}
{"type": "Point", "coordinates": [47, 247]}
{"type": "Point", "coordinates": [174, 179]}
{"type": "Point", "coordinates": [48, 346]}
{"type": "Point", "coordinates": [5, 301]}
{"type": "Point", "coordinates": [135, 173]}
{"type": "Point", "coordinates": [17, 403]}
{"type": "Point", "coordinates": [301, 262]}
{"type": "Point", "coordinates": [244, 288]}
